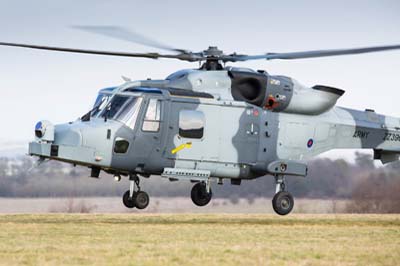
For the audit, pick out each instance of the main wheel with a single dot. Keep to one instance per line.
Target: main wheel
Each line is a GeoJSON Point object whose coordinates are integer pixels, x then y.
{"type": "Point", "coordinates": [283, 203]}
{"type": "Point", "coordinates": [199, 194]}
{"type": "Point", "coordinates": [129, 202]}
{"type": "Point", "coordinates": [142, 200]}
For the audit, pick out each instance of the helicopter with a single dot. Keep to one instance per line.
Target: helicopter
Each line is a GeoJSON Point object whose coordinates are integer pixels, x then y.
{"type": "Point", "coordinates": [211, 123]}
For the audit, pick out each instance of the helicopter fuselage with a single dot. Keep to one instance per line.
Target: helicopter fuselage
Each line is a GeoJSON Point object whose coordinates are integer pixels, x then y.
{"type": "Point", "coordinates": [205, 125]}
{"type": "Point", "coordinates": [184, 133]}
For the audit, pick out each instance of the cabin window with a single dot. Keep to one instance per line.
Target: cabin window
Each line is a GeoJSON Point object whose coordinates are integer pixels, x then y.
{"type": "Point", "coordinates": [191, 124]}
{"type": "Point", "coordinates": [152, 118]}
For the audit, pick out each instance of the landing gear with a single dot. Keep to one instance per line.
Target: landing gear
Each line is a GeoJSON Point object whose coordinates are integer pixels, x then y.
{"type": "Point", "coordinates": [129, 201]}
{"type": "Point", "coordinates": [283, 201]}
{"type": "Point", "coordinates": [201, 193]}
{"type": "Point", "coordinates": [135, 197]}
{"type": "Point", "coordinates": [142, 200]}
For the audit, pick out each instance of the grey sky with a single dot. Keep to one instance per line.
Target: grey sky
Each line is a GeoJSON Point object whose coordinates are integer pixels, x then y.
{"type": "Point", "coordinates": [60, 87]}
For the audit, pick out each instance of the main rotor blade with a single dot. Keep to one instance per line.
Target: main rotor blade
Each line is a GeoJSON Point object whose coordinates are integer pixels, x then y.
{"type": "Point", "coordinates": [312, 54]}
{"type": "Point", "coordinates": [127, 35]}
{"type": "Point", "coordinates": [185, 57]}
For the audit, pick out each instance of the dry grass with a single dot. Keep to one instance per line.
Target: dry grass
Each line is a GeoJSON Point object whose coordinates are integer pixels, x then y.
{"type": "Point", "coordinates": [181, 239]}
{"type": "Point", "coordinates": [73, 206]}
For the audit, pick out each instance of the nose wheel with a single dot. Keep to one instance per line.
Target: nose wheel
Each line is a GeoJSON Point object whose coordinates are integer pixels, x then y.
{"type": "Point", "coordinates": [283, 201]}
{"type": "Point", "coordinates": [201, 194]}
{"type": "Point", "coordinates": [135, 197]}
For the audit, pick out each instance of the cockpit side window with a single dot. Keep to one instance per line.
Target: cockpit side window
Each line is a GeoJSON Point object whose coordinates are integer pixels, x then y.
{"type": "Point", "coordinates": [151, 122]}
{"type": "Point", "coordinates": [130, 111]}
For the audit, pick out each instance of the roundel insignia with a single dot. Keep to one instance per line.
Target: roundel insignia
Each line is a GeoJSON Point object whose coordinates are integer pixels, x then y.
{"type": "Point", "coordinates": [310, 142]}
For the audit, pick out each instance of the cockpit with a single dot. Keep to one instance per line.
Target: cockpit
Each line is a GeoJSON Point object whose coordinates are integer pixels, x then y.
{"type": "Point", "coordinates": [101, 101]}
{"type": "Point", "coordinates": [123, 108]}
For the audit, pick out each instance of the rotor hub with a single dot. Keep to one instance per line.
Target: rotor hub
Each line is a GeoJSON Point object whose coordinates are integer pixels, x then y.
{"type": "Point", "coordinates": [213, 51]}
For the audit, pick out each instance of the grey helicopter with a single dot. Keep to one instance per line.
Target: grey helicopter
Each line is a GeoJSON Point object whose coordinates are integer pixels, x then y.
{"type": "Point", "coordinates": [212, 123]}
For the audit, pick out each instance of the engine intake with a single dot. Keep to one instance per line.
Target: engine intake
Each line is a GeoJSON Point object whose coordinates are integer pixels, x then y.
{"type": "Point", "coordinates": [248, 86]}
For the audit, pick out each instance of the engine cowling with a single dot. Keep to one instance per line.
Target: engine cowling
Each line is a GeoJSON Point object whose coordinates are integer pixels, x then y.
{"type": "Point", "coordinates": [282, 94]}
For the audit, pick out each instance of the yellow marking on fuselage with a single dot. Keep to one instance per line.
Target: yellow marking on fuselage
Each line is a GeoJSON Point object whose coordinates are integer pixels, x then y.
{"type": "Point", "coordinates": [181, 147]}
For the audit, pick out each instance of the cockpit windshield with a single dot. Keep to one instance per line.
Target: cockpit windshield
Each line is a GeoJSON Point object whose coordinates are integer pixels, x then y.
{"type": "Point", "coordinates": [123, 108]}
{"type": "Point", "coordinates": [100, 103]}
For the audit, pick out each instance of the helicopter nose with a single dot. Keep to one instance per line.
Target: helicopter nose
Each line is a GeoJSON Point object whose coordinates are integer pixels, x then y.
{"type": "Point", "coordinates": [80, 143]}
{"type": "Point", "coordinates": [68, 134]}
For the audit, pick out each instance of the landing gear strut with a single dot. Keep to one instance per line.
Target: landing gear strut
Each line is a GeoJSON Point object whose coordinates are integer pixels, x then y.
{"type": "Point", "coordinates": [135, 197]}
{"type": "Point", "coordinates": [283, 201]}
{"type": "Point", "coordinates": [201, 193]}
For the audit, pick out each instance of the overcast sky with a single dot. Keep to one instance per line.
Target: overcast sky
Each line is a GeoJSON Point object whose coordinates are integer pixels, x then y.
{"type": "Point", "coordinates": [60, 87]}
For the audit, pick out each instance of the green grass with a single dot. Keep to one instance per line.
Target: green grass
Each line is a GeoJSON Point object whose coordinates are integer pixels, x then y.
{"type": "Point", "coordinates": [180, 239]}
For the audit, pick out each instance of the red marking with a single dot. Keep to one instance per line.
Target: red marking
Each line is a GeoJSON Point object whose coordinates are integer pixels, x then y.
{"type": "Point", "coordinates": [271, 103]}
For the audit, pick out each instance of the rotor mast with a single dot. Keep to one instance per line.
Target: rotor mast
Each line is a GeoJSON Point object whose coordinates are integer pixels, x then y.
{"type": "Point", "coordinates": [213, 61]}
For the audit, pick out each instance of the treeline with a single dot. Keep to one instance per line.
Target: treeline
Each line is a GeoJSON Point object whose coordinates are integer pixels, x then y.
{"type": "Point", "coordinates": [326, 179]}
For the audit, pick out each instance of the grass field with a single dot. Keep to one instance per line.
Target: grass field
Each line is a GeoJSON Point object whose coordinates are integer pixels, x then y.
{"type": "Point", "coordinates": [193, 239]}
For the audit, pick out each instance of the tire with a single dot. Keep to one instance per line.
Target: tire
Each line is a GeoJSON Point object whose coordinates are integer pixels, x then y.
{"type": "Point", "coordinates": [199, 194]}
{"type": "Point", "coordinates": [283, 203]}
{"type": "Point", "coordinates": [129, 202]}
{"type": "Point", "coordinates": [142, 200]}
